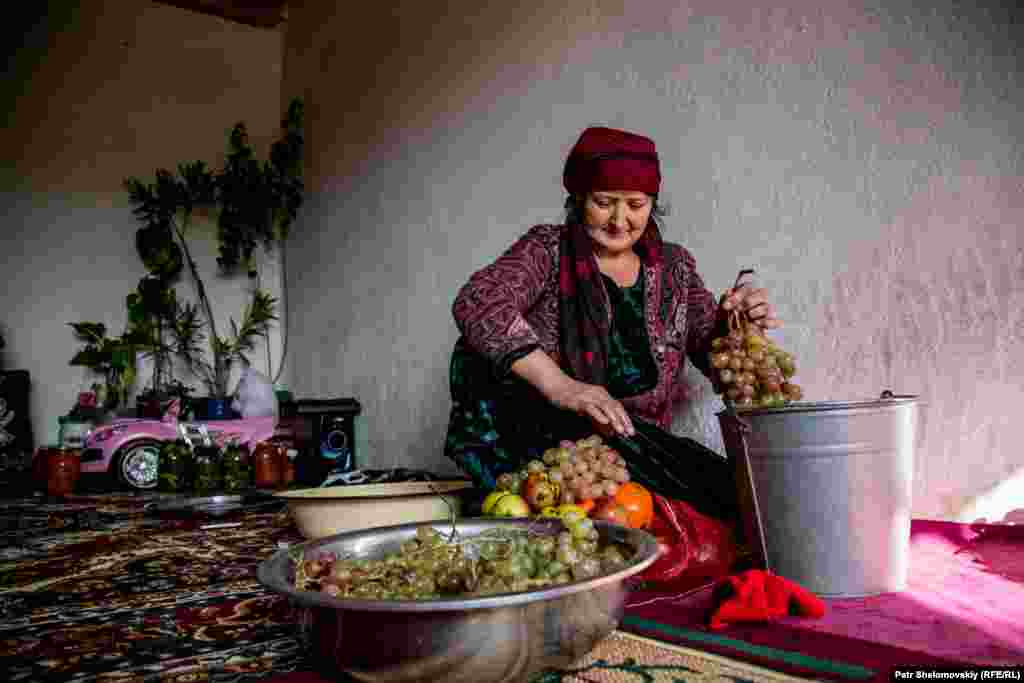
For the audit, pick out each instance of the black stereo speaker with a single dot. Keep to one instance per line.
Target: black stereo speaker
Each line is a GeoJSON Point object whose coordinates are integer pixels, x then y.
{"type": "Point", "coordinates": [323, 431]}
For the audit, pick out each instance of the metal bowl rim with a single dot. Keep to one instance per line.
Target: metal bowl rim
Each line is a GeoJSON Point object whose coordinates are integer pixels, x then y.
{"type": "Point", "coordinates": [646, 548]}
{"type": "Point", "coordinates": [826, 406]}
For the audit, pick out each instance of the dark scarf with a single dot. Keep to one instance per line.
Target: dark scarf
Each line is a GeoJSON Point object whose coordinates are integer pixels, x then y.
{"type": "Point", "coordinates": [584, 313]}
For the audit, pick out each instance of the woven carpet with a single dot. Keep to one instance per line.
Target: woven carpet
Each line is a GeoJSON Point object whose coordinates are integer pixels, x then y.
{"type": "Point", "coordinates": [964, 606]}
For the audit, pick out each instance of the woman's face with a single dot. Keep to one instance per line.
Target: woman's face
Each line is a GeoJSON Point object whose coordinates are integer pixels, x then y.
{"type": "Point", "coordinates": [616, 220]}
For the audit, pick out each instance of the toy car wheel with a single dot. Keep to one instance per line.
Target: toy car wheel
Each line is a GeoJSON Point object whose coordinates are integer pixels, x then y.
{"type": "Point", "coordinates": [136, 464]}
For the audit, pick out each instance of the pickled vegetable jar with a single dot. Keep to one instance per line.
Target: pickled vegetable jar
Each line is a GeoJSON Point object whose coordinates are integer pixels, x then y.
{"type": "Point", "coordinates": [235, 467]}
{"type": "Point", "coordinates": [206, 471]}
{"type": "Point", "coordinates": [175, 466]}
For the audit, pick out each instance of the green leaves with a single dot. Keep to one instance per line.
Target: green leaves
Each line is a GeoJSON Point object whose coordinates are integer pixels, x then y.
{"type": "Point", "coordinates": [160, 254]}
{"type": "Point", "coordinates": [114, 358]}
{"type": "Point", "coordinates": [92, 333]}
{"type": "Point", "coordinates": [255, 204]}
{"type": "Point", "coordinates": [247, 205]}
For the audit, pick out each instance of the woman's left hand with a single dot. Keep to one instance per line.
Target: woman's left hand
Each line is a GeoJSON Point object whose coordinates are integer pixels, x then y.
{"type": "Point", "coordinates": [754, 302]}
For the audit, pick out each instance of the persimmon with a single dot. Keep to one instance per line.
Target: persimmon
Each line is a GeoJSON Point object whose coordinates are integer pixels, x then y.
{"type": "Point", "coordinates": [639, 504]}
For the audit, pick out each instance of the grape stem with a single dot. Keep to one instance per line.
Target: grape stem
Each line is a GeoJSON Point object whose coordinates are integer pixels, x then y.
{"type": "Point", "coordinates": [748, 271]}
{"type": "Point", "coordinates": [738, 320]}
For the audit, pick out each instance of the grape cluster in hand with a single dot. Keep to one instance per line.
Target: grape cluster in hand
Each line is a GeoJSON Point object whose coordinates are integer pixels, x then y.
{"type": "Point", "coordinates": [750, 369]}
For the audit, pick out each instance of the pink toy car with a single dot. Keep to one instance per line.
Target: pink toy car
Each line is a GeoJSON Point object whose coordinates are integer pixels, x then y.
{"type": "Point", "coordinates": [128, 448]}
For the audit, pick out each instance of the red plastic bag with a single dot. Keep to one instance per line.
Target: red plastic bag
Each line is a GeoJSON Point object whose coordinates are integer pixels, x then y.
{"type": "Point", "coordinates": [695, 548]}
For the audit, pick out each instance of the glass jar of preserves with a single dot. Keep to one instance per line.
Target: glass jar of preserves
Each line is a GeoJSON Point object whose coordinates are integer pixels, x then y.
{"type": "Point", "coordinates": [206, 473]}
{"type": "Point", "coordinates": [64, 466]}
{"type": "Point", "coordinates": [234, 466]}
{"type": "Point", "coordinates": [175, 468]}
{"type": "Point", "coordinates": [266, 463]}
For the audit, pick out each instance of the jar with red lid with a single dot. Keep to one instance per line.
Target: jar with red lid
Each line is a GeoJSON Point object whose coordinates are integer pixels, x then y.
{"type": "Point", "coordinates": [267, 465]}
{"type": "Point", "coordinates": [63, 467]}
{"type": "Point", "coordinates": [41, 465]}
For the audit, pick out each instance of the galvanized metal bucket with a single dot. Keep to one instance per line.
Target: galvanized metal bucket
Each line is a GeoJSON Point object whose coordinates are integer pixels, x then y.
{"type": "Point", "coordinates": [826, 490]}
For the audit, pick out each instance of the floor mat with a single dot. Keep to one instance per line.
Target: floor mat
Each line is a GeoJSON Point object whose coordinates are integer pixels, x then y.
{"type": "Point", "coordinates": [964, 605]}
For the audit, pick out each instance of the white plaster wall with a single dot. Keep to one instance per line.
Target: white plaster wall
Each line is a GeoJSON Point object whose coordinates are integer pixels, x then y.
{"type": "Point", "coordinates": [100, 91]}
{"type": "Point", "coordinates": [863, 157]}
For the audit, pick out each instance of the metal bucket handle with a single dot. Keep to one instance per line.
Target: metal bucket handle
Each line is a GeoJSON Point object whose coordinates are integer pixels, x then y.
{"type": "Point", "coordinates": [741, 428]}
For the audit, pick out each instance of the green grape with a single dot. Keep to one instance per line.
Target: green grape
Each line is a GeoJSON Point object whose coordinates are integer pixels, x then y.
{"type": "Point", "coordinates": [555, 568]}
{"type": "Point", "coordinates": [586, 568]}
{"type": "Point", "coordinates": [567, 555]}
{"type": "Point", "coordinates": [489, 550]}
{"type": "Point", "coordinates": [544, 547]}
{"type": "Point", "coordinates": [581, 530]}
{"type": "Point", "coordinates": [572, 517]}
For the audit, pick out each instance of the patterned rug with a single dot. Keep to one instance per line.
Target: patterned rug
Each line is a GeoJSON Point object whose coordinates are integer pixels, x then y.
{"type": "Point", "coordinates": [964, 606]}
{"type": "Point", "coordinates": [97, 588]}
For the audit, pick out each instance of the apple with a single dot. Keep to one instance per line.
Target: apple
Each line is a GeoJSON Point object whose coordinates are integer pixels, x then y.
{"type": "Point", "coordinates": [492, 499]}
{"type": "Point", "coordinates": [540, 492]}
{"type": "Point", "coordinates": [511, 505]}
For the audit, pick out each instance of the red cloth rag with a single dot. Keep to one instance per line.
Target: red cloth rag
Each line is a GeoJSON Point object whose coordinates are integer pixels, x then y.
{"type": "Point", "coordinates": [758, 595]}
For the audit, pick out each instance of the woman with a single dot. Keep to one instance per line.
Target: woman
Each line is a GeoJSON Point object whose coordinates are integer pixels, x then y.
{"type": "Point", "coordinates": [587, 326]}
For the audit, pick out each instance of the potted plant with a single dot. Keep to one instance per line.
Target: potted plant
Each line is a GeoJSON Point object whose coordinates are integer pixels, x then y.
{"type": "Point", "coordinates": [113, 358]}
{"type": "Point", "coordinates": [255, 205]}
{"type": "Point", "coordinates": [116, 358]}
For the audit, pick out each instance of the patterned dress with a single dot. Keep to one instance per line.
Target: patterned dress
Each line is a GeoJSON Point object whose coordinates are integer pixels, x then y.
{"type": "Point", "coordinates": [514, 306]}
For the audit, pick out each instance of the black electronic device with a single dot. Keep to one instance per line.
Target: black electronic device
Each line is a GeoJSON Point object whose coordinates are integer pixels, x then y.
{"type": "Point", "coordinates": [323, 432]}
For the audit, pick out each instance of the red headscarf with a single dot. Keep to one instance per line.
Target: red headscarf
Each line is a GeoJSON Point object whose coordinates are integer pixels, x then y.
{"type": "Point", "coordinates": [610, 159]}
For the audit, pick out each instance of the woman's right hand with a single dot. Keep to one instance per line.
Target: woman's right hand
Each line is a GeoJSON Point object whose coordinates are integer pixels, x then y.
{"type": "Point", "coordinates": [608, 415]}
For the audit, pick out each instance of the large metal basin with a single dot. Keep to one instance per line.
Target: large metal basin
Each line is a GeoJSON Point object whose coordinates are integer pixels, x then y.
{"type": "Point", "coordinates": [504, 637]}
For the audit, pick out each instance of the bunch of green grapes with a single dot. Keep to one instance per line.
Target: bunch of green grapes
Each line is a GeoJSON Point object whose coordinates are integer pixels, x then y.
{"type": "Point", "coordinates": [429, 567]}
{"type": "Point", "coordinates": [752, 370]}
